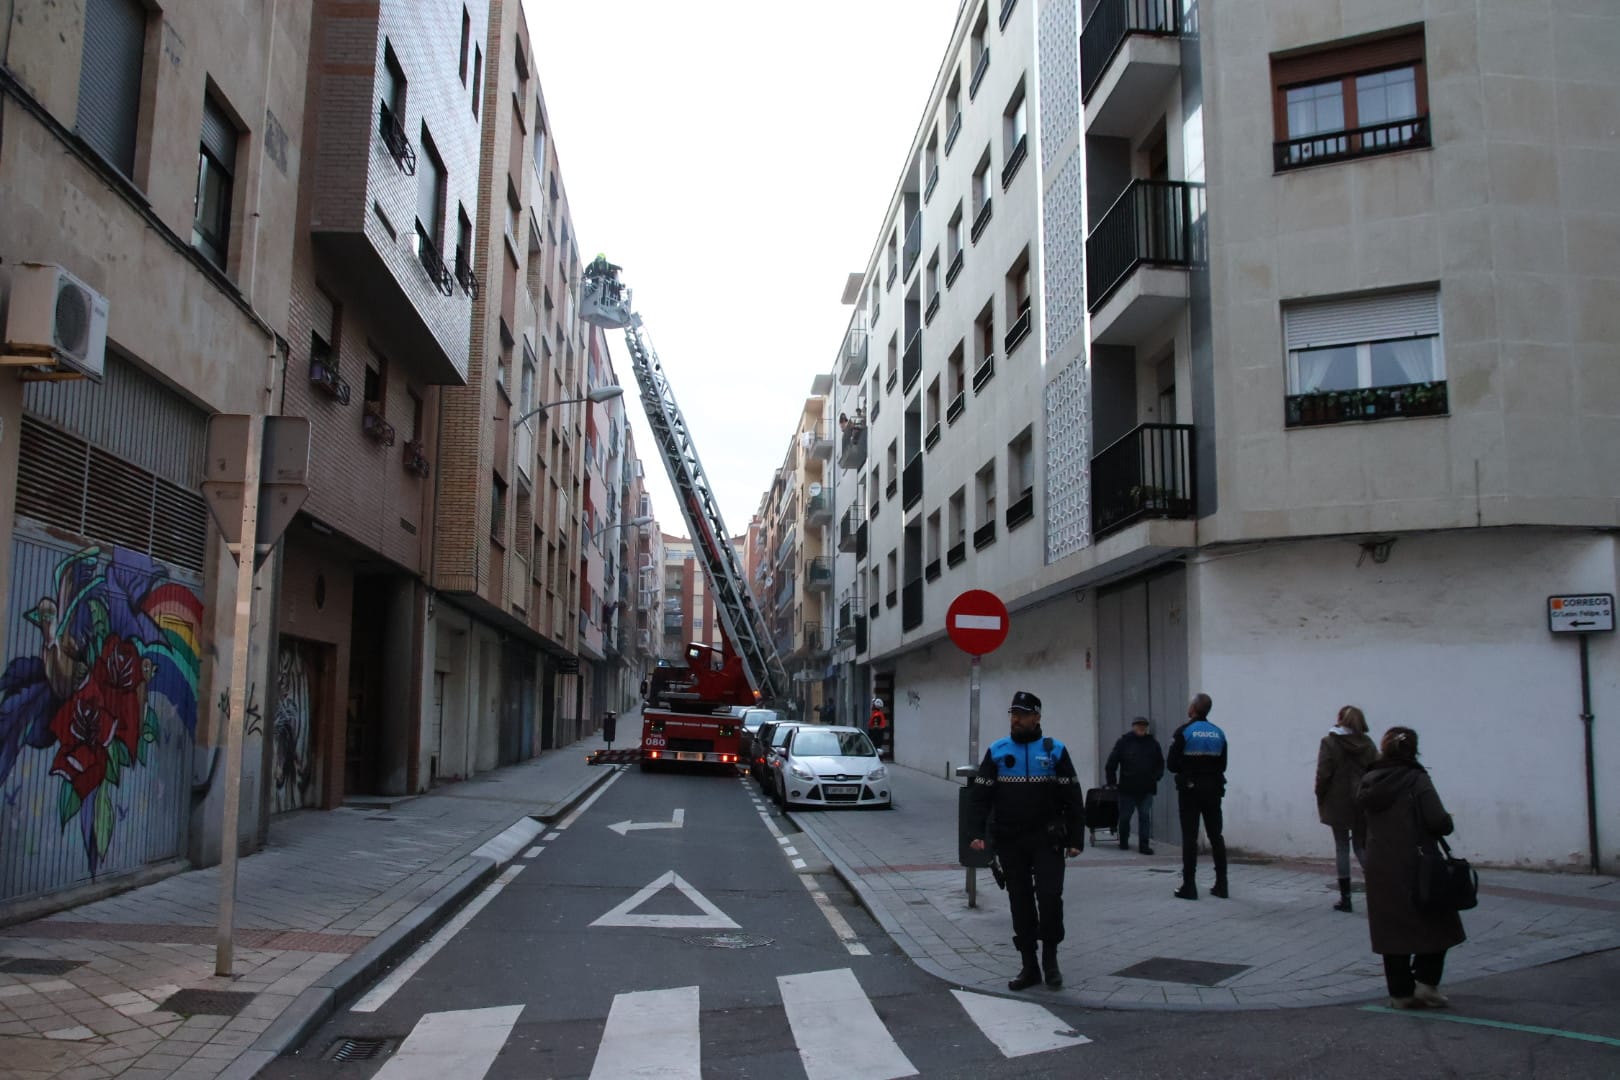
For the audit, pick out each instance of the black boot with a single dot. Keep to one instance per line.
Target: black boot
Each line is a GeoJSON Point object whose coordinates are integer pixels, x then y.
{"type": "Point", "coordinates": [1054, 977]}
{"type": "Point", "coordinates": [1219, 888]}
{"type": "Point", "coordinates": [1188, 891]}
{"type": "Point", "coordinates": [1029, 975]}
{"type": "Point", "coordinates": [1344, 896]}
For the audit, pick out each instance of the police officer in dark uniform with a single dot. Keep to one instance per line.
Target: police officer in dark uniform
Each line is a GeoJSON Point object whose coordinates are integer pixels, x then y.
{"type": "Point", "coordinates": [1028, 781]}
{"type": "Point", "coordinates": [1198, 758]}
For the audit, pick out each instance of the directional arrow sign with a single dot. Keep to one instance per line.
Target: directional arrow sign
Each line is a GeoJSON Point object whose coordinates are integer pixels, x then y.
{"type": "Point", "coordinates": [1581, 614]}
{"type": "Point", "coordinates": [624, 827]}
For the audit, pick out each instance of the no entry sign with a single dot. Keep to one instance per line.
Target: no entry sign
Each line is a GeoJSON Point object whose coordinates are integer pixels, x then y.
{"type": "Point", "coordinates": [977, 622]}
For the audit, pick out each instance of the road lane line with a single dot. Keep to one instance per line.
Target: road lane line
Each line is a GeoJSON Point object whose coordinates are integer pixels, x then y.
{"type": "Point", "coordinates": [462, 1044]}
{"type": "Point", "coordinates": [1529, 1029]}
{"type": "Point", "coordinates": [1018, 1027]}
{"type": "Point", "coordinates": [586, 805]}
{"type": "Point", "coordinates": [390, 984]}
{"type": "Point", "coordinates": [771, 825]}
{"type": "Point", "coordinates": [534, 851]}
{"type": "Point", "coordinates": [653, 1034]}
{"type": "Point", "coordinates": [835, 919]}
{"type": "Point", "coordinates": [790, 850]}
{"type": "Point", "coordinates": [838, 1032]}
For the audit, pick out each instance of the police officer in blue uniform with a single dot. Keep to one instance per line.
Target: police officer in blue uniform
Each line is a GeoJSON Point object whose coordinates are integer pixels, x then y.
{"type": "Point", "coordinates": [1028, 781]}
{"type": "Point", "coordinates": [1198, 758]}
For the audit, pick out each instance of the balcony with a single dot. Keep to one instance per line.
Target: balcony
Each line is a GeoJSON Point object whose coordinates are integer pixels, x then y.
{"type": "Point", "coordinates": [852, 445]}
{"type": "Point", "coordinates": [394, 138]}
{"type": "Point", "coordinates": [980, 220]}
{"type": "Point", "coordinates": [911, 609]}
{"type": "Point", "coordinates": [913, 246]}
{"type": "Point", "coordinates": [932, 437]}
{"type": "Point", "coordinates": [932, 571]}
{"type": "Point", "coordinates": [860, 541]}
{"type": "Point", "coordinates": [673, 624]}
{"type": "Point", "coordinates": [954, 269]}
{"type": "Point", "coordinates": [814, 639]}
{"type": "Point", "coordinates": [955, 408]}
{"type": "Point", "coordinates": [984, 373]}
{"type": "Point", "coordinates": [1372, 403]}
{"type": "Point", "coordinates": [890, 489]}
{"type": "Point", "coordinates": [323, 375]}
{"type": "Point", "coordinates": [1129, 56]}
{"type": "Point", "coordinates": [1148, 473]}
{"type": "Point", "coordinates": [911, 482]}
{"type": "Point", "coordinates": [1021, 510]}
{"type": "Point", "coordinates": [955, 554]}
{"type": "Point", "coordinates": [846, 531]}
{"type": "Point", "coordinates": [1019, 331]}
{"type": "Point", "coordinates": [952, 130]}
{"type": "Point", "coordinates": [817, 509]}
{"type": "Point", "coordinates": [891, 598]}
{"type": "Point", "coordinates": [852, 362]}
{"type": "Point", "coordinates": [465, 277]}
{"type": "Point", "coordinates": [894, 275]}
{"type": "Point", "coordinates": [933, 181]}
{"type": "Point", "coordinates": [1014, 160]}
{"type": "Point", "coordinates": [416, 458]}
{"type": "Point", "coordinates": [818, 441]}
{"type": "Point", "coordinates": [931, 310]}
{"type": "Point", "coordinates": [911, 362]}
{"type": "Point", "coordinates": [818, 575]}
{"type": "Point", "coordinates": [984, 535]}
{"type": "Point", "coordinates": [1138, 256]}
{"type": "Point", "coordinates": [980, 66]}
{"type": "Point", "coordinates": [375, 426]}
{"type": "Point", "coordinates": [888, 386]}
{"type": "Point", "coordinates": [1006, 12]}
{"type": "Point", "coordinates": [1323, 149]}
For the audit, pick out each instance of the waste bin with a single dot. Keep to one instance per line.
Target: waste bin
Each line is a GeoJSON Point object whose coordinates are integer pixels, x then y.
{"type": "Point", "coordinates": [610, 727]}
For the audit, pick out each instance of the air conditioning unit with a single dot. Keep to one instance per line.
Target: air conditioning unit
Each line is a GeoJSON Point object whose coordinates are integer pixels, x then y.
{"type": "Point", "coordinates": [55, 320]}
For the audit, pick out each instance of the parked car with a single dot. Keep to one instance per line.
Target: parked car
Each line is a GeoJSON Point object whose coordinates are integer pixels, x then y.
{"type": "Point", "coordinates": [767, 741]}
{"type": "Point", "coordinates": [829, 766]}
{"type": "Point", "coordinates": [752, 717]}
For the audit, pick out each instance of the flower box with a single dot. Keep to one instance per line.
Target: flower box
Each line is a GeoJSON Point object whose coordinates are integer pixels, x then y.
{"type": "Point", "coordinates": [416, 458]}
{"type": "Point", "coordinates": [374, 426]}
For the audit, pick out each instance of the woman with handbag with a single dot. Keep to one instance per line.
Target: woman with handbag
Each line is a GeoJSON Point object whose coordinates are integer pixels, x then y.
{"type": "Point", "coordinates": [1343, 756]}
{"type": "Point", "coordinates": [1404, 816]}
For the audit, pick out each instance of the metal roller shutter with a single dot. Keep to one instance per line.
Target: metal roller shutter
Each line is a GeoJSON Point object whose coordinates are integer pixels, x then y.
{"type": "Point", "coordinates": [110, 79]}
{"type": "Point", "coordinates": [1363, 318]}
{"type": "Point", "coordinates": [219, 135]}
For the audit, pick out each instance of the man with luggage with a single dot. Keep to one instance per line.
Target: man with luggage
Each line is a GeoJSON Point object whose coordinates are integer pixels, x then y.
{"type": "Point", "coordinates": [1028, 780]}
{"type": "Point", "coordinates": [1134, 767]}
{"type": "Point", "coordinates": [1198, 758]}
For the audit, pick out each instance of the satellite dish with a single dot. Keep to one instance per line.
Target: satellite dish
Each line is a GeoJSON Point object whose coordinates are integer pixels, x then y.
{"type": "Point", "coordinates": [815, 489]}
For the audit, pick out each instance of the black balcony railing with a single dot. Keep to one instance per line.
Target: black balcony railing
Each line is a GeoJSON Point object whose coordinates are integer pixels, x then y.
{"type": "Point", "coordinates": [933, 305]}
{"type": "Point", "coordinates": [954, 409]}
{"type": "Point", "coordinates": [980, 220]}
{"type": "Point", "coordinates": [932, 437]}
{"type": "Point", "coordinates": [465, 277]}
{"type": "Point", "coordinates": [952, 130]}
{"type": "Point", "coordinates": [375, 426]}
{"type": "Point", "coordinates": [1323, 148]}
{"type": "Point", "coordinates": [874, 610]}
{"type": "Point", "coordinates": [888, 385]}
{"type": "Point", "coordinates": [1021, 510]}
{"type": "Point", "coordinates": [1148, 473]}
{"type": "Point", "coordinates": [955, 268]}
{"type": "Point", "coordinates": [891, 488]}
{"type": "Point", "coordinates": [980, 66]}
{"type": "Point", "coordinates": [933, 181]}
{"type": "Point", "coordinates": [911, 481]}
{"type": "Point", "coordinates": [891, 598]}
{"type": "Point", "coordinates": [398, 143]}
{"type": "Point", "coordinates": [911, 611]}
{"type": "Point", "coordinates": [1006, 12]}
{"type": "Point", "coordinates": [819, 574]}
{"type": "Point", "coordinates": [984, 372]}
{"type": "Point", "coordinates": [894, 274]}
{"type": "Point", "coordinates": [913, 247]}
{"type": "Point", "coordinates": [1111, 22]}
{"type": "Point", "coordinates": [846, 531]}
{"type": "Point", "coordinates": [427, 250]}
{"type": "Point", "coordinates": [1372, 403]}
{"type": "Point", "coordinates": [911, 362]}
{"type": "Point", "coordinates": [955, 553]}
{"type": "Point", "coordinates": [984, 535]}
{"type": "Point", "coordinates": [1152, 223]}
{"type": "Point", "coordinates": [1014, 159]}
{"type": "Point", "coordinates": [323, 373]}
{"type": "Point", "coordinates": [860, 541]}
{"type": "Point", "coordinates": [932, 571]}
{"type": "Point", "coordinates": [1019, 331]}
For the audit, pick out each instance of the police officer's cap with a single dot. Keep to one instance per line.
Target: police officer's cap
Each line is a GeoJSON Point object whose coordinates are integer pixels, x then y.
{"type": "Point", "coordinates": [1024, 701]}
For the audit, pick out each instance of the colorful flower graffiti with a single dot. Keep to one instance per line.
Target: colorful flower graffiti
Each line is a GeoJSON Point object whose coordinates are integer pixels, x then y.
{"type": "Point", "coordinates": [116, 672]}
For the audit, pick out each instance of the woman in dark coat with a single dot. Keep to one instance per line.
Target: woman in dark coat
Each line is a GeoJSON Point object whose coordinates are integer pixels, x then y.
{"type": "Point", "coordinates": [1402, 809]}
{"type": "Point", "coordinates": [1344, 755]}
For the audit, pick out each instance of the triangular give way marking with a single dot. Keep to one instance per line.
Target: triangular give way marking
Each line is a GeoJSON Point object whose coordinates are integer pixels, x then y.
{"type": "Point", "coordinates": [711, 919]}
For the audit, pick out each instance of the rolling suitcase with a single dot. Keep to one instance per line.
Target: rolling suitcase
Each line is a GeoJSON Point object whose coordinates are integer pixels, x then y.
{"type": "Point", "coordinates": [1102, 811]}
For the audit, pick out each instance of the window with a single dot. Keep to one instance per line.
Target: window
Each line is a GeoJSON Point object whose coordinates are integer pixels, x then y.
{"type": "Point", "coordinates": [1350, 100]}
{"type": "Point", "coordinates": [1366, 357]}
{"type": "Point", "coordinates": [1014, 136]}
{"type": "Point", "coordinates": [956, 527]}
{"type": "Point", "coordinates": [981, 196]}
{"type": "Point", "coordinates": [539, 139]}
{"type": "Point", "coordinates": [893, 261]}
{"type": "Point", "coordinates": [1021, 478]}
{"type": "Point", "coordinates": [931, 165]}
{"type": "Point", "coordinates": [979, 50]}
{"type": "Point", "coordinates": [430, 183]}
{"type": "Point", "coordinates": [374, 382]}
{"type": "Point", "coordinates": [416, 416]}
{"type": "Point", "coordinates": [216, 169]}
{"type": "Point", "coordinates": [478, 79]}
{"type": "Point", "coordinates": [110, 79]}
{"type": "Point", "coordinates": [891, 366]}
{"type": "Point", "coordinates": [953, 245]}
{"type": "Point", "coordinates": [466, 40]}
{"type": "Point", "coordinates": [393, 86]}
{"type": "Point", "coordinates": [497, 510]}
{"type": "Point", "coordinates": [931, 550]}
{"type": "Point", "coordinates": [514, 210]}
{"type": "Point", "coordinates": [1017, 299]}
{"type": "Point", "coordinates": [953, 113]}
{"type": "Point", "coordinates": [464, 251]}
{"type": "Point", "coordinates": [984, 499]}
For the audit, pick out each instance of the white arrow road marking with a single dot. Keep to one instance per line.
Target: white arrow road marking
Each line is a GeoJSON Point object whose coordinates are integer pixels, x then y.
{"type": "Point", "coordinates": [444, 1044]}
{"type": "Point", "coordinates": [711, 919]}
{"type": "Point", "coordinates": [626, 826]}
{"type": "Point", "coordinates": [839, 1033]}
{"type": "Point", "coordinates": [1018, 1027]}
{"type": "Point", "coordinates": [653, 1033]}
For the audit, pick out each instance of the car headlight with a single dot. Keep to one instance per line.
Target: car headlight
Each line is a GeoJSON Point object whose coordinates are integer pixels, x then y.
{"type": "Point", "coordinates": [803, 773]}
{"type": "Point", "coordinates": [878, 773]}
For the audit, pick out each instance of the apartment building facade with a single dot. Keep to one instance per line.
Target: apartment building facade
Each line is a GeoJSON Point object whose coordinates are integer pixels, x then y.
{"type": "Point", "coordinates": [1266, 357]}
{"type": "Point", "coordinates": [689, 612]}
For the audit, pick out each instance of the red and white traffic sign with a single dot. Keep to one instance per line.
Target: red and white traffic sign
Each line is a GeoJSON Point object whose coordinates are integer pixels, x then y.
{"type": "Point", "coordinates": [977, 622]}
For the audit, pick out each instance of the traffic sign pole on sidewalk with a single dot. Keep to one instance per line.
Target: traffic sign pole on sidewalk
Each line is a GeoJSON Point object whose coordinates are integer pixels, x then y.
{"type": "Point", "coordinates": [1583, 615]}
{"type": "Point", "coordinates": [977, 622]}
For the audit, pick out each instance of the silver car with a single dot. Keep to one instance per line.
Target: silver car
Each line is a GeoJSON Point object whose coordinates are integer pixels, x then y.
{"type": "Point", "coordinates": [830, 766]}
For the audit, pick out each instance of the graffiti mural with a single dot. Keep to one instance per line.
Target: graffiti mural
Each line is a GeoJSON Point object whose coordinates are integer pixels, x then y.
{"type": "Point", "coordinates": [98, 711]}
{"type": "Point", "coordinates": [294, 766]}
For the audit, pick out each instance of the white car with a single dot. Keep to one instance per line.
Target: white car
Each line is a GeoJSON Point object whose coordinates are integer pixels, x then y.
{"type": "Point", "coordinates": [830, 766]}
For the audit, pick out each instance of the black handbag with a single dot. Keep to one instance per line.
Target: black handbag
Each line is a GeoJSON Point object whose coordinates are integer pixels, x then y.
{"type": "Point", "coordinates": [1444, 882]}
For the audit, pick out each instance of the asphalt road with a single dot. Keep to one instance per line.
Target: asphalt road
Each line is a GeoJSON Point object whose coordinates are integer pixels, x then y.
{"type": "Point", "coordinates": [703, 949]}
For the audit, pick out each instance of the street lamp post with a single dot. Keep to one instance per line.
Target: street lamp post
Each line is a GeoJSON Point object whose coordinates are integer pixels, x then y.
{"type": "Point", "coordinates": [600, 394]}
{"type": "Point", "coordinates": [633, 523]}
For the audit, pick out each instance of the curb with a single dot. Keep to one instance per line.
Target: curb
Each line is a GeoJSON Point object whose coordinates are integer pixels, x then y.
{"type": "Point", "coordinates": [461, 882]}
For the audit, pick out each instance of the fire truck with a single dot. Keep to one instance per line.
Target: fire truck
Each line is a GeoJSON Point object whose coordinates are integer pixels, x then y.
{"type": "Point", "coordinates": [692, 714]}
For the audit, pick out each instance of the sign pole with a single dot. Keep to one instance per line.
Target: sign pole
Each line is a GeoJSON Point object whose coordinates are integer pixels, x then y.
{"type": "Point", "coordinates": [973, 761]}
{"type": "Point", "coordinates": [231, 744]}
{"type": "Point", "coordinates": [1591, 780]}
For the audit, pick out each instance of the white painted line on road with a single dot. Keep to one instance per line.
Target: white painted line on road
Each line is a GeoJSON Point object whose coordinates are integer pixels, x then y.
{"type": "Point", "coordinates": [798, 864]}
{"type": "Point", "coordinates": [771, 825]}
{"type": "Point", "coordinates": [790, 849]}
{"type": "Point", "coordinates": [512, 840]}
{"type": "Point", "coordinates": [586, 805]}
{"type": "Point", "coordinates": [625, 827]}
{"type": "Point", "coordinates": [534, 851]}
{"type": "Point", "coordinates": [782, 840]}
{"type": "Point", "coordinates": [835, 919]}
{"type": "Point", "coordinates": [390, 984]}
{"type": "Point", "coordinates": [711, 919]}
{"type": "Point", "coordinates": [1018, 1027]}
{"type": "Point", "coordinates": [550, 836]}
{"type": "Point", "coordinates": [839, 1034]}
{"type": "Point", "coordinates": [651, 1033]}
{"type": "Point", "coordinates": [442, 1044]}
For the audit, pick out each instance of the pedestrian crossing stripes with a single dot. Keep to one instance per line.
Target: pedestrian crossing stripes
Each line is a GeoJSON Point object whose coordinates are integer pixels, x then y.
{"type": "Point", "coordinates": [836, 1031]}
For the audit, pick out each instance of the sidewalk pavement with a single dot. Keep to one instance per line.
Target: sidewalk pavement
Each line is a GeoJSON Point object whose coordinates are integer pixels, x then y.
{"type": "Point", "coordinates": [335, 898]}
{"type": "Point", "coordinates": [1277, 943]}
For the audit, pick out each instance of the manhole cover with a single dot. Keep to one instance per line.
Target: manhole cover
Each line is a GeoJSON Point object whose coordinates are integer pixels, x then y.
{"type": "Point", "coordinates": [730, 941]}
{"type": "Point", "coordinates": [197, 1002]}
{"type": "Point", "coordinates": [1192, 972]}
{"type": "Point", "coordinates": [357, 1049]}
{"type": "Point", "coordinates": [38, 965]}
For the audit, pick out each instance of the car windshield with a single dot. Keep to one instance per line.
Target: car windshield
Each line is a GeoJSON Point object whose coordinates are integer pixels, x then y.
{"type": "Point", "coordinates": [833, 744]}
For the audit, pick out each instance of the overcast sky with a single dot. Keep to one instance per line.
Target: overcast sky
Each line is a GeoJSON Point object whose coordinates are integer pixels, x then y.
{"type": "Point", "coordinates": [736, 158]}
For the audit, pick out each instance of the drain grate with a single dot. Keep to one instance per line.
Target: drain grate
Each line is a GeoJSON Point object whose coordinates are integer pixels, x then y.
{"type": "Point", "coordinates": [197, 1002]}
{"type": "Point", "coordinates": [1172, 970]}
{"type": "Point", "coordinates": [352, 1048]}
{"type": "Point", "coordinates": [730, 941]}
{"type": "Point", "coordinates": [38, 965]}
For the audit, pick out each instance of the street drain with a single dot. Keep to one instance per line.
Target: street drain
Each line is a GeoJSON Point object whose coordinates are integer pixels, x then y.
{"type": "Point", "coordinates": [196, 1002]}
{"type": "Point", "coordinates": [730, 941]}
{"type": "Point", "coordinates": [38, 965]}
{"type": "Point", "coordinates": [355, 1049]}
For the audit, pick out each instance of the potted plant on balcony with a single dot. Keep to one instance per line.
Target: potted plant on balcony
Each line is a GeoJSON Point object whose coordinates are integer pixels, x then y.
{"type": "Point", "coordinates": [375, 426]}
{"type": "Point", "coordinates": [323, 373]}
{"type": "Point", "coordinates": [416, 458]}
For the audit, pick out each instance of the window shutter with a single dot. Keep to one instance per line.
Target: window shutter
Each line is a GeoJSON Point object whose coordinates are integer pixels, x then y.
{"type": "Point", "coordinates": [1362, 318]}
{"type": "Point", "coordinates": [219, 135]}
{"type": "Point", "coordinates": [323, 317]}
{"type": "Point", "coordinates": [110, 79]}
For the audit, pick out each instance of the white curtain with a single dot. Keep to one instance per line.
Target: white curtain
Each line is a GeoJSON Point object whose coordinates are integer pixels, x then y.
{"type": "Point", "coordinates": [1311, 367]}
